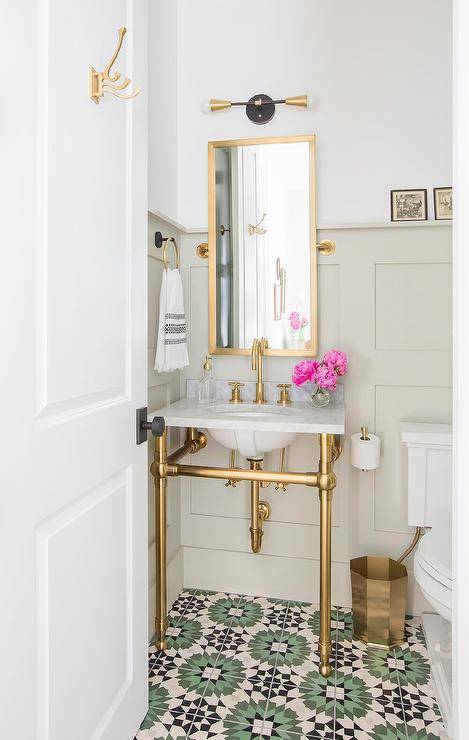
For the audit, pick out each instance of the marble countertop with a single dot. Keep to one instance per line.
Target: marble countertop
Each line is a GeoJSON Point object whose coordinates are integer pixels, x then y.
{"type": "Point", "coordinates": [300, 417]}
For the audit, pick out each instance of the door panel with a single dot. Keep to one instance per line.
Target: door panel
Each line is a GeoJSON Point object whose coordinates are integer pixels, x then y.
{"type": "Point", "coordinates": [73, 518]}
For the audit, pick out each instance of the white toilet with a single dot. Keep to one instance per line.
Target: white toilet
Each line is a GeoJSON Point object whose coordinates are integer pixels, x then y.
{"type": "Point", "coordinates": [429, 448]}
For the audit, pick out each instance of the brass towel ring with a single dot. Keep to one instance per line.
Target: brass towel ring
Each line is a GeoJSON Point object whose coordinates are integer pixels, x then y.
{"type": "Point", "coordinates": [165, 253]}
{"type": "Point", "coordinates": [162, 241]}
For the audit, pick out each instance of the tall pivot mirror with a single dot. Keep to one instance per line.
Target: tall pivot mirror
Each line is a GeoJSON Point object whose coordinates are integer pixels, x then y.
{"type": "Point", "coordinates": [262, 245]}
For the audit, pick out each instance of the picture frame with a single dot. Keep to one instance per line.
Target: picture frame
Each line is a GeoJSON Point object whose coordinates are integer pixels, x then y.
{"type": "Point", "coordinates": [409, 205]}
{"type": "Point", "coordinates": [443, 204]}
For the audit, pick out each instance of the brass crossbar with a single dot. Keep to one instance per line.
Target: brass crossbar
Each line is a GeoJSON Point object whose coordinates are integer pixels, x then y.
{"type": "Point", "coordinates": [238, 474]}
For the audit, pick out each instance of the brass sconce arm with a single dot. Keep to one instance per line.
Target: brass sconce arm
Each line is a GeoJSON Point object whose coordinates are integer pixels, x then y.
{"type": "Point", "coordinates": [105, 82]}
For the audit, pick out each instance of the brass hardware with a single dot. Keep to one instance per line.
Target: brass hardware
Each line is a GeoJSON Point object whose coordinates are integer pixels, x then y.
{"type": "Point", "coordinates": [158, 470]}
{"type": "Point", "coordinates": [337, 448]}
{"type": "Point", "coordinates": [379, 588]}
{"type": "Point", "coordinates": [213, 235]}
{"type": "Point", "coordinates": [236, 393]}
{"type": "Point", "coordinates": [202, 250]}
{"type": "Point", "coordinates": [257, 101]}
{"type": "Point", "coordinates": [105, 82]}
{"type": "Point", "coordinates": [364, 435]}
{"type": "Point", "coordinates": [216, 105]}
{"type": "Point", "coordinates": [260, 510]}
{"type": "Point", "coordinates": [163, 241]}
{"type": "Point", "coordinates": [197, 439]}
{"type": "Point", "coordinates": [232, 483]}
{"type": "Point", "coordinates": [299, 100]}
{"type": "Point", "coordinates": [257, 229]}
{"type": "Point", "coordinates": [281, 486]}
{"type": "Point", "coordinates": [418, 534]}
{"type": "Point", "coordinates": [194, 442]}
{"type": "Point", "coordinates": [326, 487]}
{"type": "Point", "coordinates": [280, 288]}
{"type": "Point", "coordinates": [257, 351]}
{"type": "Point", "coordinates": [326, 247]}
{"type": "Point", "coordinates": [325, 480]}
{"type": "Point", "coordinates": [237, 474]}
{"type": "Point", "coordinates": [284, 399]}
{"type": "Point", "coordinates": [224, 230]}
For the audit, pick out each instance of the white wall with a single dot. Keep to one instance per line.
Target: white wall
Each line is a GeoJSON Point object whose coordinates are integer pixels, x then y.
{"type": "Point", "coordinates": [385, 298]}
{"type": "Point", "coordinates": [163, 146]}
{"type": "Point", "coordinates": [380, 74]}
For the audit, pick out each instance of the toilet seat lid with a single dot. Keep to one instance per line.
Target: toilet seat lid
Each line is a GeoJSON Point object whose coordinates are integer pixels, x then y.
{"type": "Point", "coordinates": [434, 554]}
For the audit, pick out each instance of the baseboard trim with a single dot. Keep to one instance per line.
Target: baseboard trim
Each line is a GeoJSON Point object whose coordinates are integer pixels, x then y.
{"type": "Point", "coordinates": [295, 579]}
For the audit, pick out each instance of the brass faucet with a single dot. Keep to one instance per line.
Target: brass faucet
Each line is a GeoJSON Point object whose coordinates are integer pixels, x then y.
{"type": "Point", "coordinates": [258, 348]}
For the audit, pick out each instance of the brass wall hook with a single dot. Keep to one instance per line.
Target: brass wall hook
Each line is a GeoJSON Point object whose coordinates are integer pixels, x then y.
{"type": "Point", "coordinates": [258, 229]}
{"type": "Point", "coordinates": [105, 82]}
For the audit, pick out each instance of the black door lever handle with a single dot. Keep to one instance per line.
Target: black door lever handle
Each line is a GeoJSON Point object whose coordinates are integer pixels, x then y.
{"type": "Point", "coordinates": [156, 426]}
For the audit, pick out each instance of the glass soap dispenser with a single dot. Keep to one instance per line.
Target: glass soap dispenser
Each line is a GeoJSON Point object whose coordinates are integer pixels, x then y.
{"type": "Point", "coordinates": [207, 383]}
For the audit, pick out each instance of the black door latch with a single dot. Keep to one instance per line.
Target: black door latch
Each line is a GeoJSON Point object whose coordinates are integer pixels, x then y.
{"type": "Point", "coordinates": [156, 426]}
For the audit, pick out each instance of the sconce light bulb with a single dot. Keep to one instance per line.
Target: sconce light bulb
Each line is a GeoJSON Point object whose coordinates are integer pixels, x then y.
{"type": "Point", "coordinates": [206, 107]}
{"type": "Point", "coordinates": [309, 101]}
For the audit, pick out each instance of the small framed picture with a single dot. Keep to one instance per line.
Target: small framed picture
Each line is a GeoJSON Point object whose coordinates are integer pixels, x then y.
{"type": "Point", "coordinates": [408, 205]}
{"type": "Point", "coordinates": [443, 203]}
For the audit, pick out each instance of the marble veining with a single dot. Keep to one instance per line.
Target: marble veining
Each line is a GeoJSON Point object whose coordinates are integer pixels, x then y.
{"type": "Point", "coordinates": [299, 418]}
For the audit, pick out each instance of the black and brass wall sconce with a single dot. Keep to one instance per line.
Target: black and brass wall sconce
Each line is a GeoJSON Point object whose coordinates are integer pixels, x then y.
{"type": "Point", "coordinates": [105, 82]}
{"type": "Point", "coordinates": [260, 108]}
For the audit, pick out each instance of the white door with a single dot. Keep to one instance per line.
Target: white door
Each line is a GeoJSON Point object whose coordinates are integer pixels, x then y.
{"type": "Point", "coordinates": [73, 520]}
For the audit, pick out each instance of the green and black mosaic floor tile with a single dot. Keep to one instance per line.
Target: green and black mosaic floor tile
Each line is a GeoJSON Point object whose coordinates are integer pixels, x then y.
{"type": "Point", "coordinates": [246, 668]}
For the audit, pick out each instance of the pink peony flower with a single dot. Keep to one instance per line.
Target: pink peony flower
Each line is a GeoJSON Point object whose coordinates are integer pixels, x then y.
{"type": "Point", "coordinates": [337, 360]}
{"type": "Point", "coordinates": [294, 320]}
{"type": "Point", "coordinates": [305, 372]}
{"type": "Point", "coordinates": [325, 377]}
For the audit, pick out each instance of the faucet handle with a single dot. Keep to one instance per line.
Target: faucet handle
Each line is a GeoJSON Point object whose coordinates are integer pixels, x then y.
{"type": "Point", "coordinates": [236, 393]}
{"type": "Point", "coordinates": [284, 399]}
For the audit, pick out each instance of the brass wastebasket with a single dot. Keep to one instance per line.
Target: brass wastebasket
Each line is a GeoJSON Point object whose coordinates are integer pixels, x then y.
{"type": "Point", "coordinates": [379, 588]}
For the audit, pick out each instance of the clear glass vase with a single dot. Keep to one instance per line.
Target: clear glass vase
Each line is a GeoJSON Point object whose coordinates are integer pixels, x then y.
{"type": "Point", "coordinates": [320, 397]}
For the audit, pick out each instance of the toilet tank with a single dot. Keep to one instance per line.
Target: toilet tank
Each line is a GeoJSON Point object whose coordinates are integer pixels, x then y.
{"type": "Point", "coordinates": [429, 471]}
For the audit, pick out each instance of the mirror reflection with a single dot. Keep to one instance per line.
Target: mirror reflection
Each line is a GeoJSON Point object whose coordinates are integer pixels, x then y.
{"type": "Point", "coordinates": [263, 229]}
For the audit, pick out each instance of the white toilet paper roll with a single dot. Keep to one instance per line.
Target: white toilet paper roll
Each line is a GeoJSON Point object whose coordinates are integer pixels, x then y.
{"type": "Point", "coordinates": [365, 453]}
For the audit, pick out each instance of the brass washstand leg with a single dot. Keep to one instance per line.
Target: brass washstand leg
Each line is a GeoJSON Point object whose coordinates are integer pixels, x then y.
{"type": "Point", "coordinates": [326, 487]}
{"type": "Point", "coordinates": [260, 510]}
{"type": "Point", "coordinates": [158, 470]}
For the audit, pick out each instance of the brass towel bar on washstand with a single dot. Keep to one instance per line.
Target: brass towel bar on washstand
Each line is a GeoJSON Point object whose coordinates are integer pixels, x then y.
{"type": "Point", "coordinates": [162, 241]}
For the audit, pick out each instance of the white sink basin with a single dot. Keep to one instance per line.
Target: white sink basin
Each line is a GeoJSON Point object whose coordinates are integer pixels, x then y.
{"type": "Point", "coordinates": [251, 443]}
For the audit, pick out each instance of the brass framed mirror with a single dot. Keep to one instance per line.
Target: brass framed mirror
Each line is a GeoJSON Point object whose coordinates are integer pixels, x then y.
{"type": "Point", "coordinates": [262, 245]}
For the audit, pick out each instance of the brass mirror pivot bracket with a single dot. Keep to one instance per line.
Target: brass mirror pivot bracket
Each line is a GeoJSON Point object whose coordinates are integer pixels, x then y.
{"type": "Point", "coordinates": [284, 399]}
{"type": "Point", "coordinates": [326, 247]}
{"type": "Point", "coordinates": [236, 393]}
